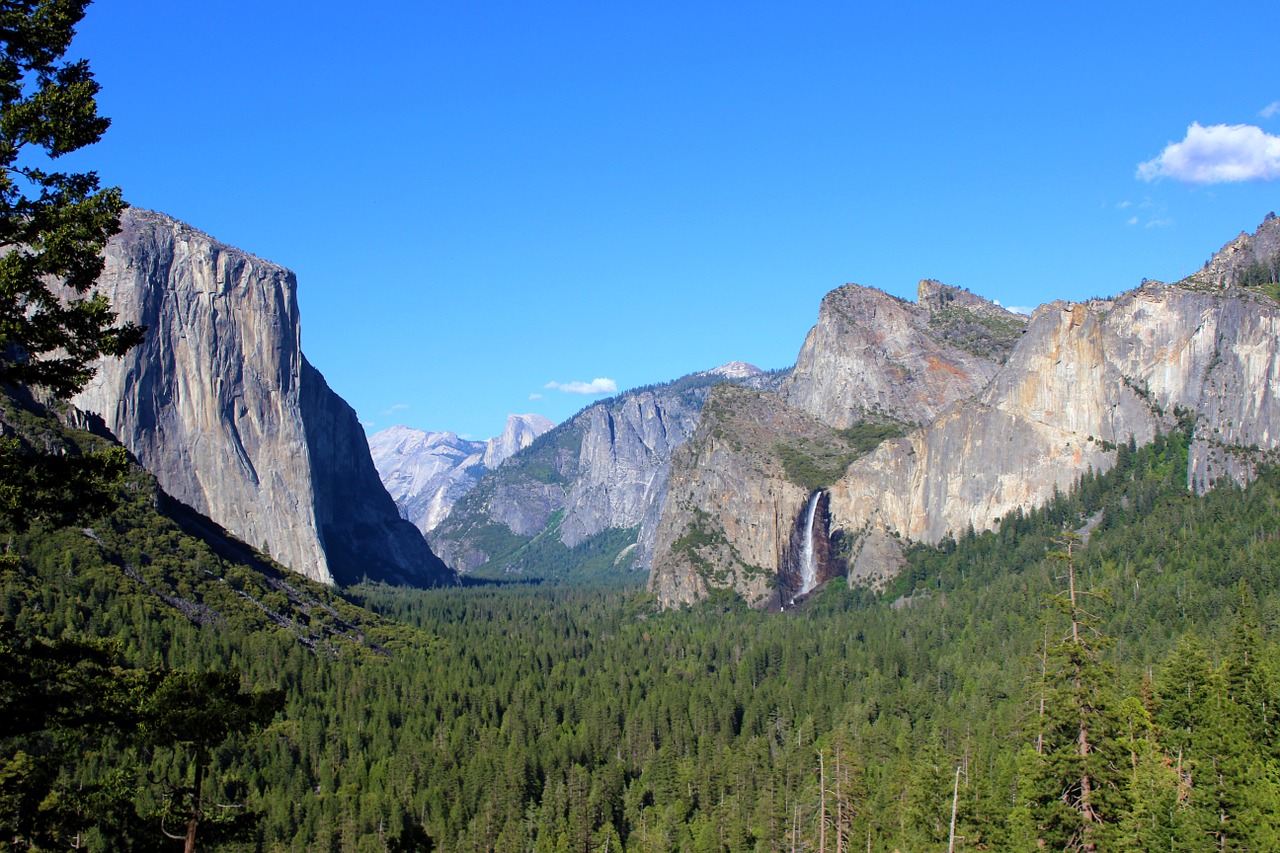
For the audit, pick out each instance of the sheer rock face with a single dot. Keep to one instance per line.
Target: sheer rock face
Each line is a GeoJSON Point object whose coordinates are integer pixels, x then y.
{"type": "Point", "coordinates": [624, 463]}
{"type": "Point", "coordinates": [1037, 427]}
{"type": "Point", "coordinates": [427, 472]}
{"type": "Point", "coordinates": [729, 515]}
{"type": "Point", "coordinates": [603, 469]}
{"type": "Point", "coordinates": [220, 404]}
{"type": "Point", "coordinates": [1083, 375]}
{"type": "Point", "coordinates": [872, 352]}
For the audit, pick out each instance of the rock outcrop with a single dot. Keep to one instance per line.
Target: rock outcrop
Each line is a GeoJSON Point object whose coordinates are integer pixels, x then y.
{"type": "Point", "coordinates": [220, 404]}
{"type": "Point", "coordinates": [873, 366]}
{"type": "Point", "coordinates": [1249, 259]}
{"type": "Point", "coordinates": [872, 352]}
{"type": "Point", "coordinates": [1086, 377]}
{"type": "Point", "coordinates": [1077, 382]}
{"type": "Point", "coordinates": [732, 509]}
{"type": "Point", "coordinates": [427, 472]}
{"type": "Point", "coordinates": [604, 471]}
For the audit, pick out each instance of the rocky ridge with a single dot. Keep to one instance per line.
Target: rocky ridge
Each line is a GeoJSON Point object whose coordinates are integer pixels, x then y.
{"type": "Point", "coordinates": [601, 475]}
{"type": "Point", "coordinates": [1081, 379]}
{"type": "Point", "coordinates": [221, 405]}
{"type": "Point", "coordinates": [871, 352]}
{"type": "Point", "coordinates": [1248, 260]}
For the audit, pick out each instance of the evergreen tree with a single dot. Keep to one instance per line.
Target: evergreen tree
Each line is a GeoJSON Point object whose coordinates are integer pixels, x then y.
{"type": "Point", "coordinates": [53, 225]}
{"type": "Point", "coordinates": [1077, 786]}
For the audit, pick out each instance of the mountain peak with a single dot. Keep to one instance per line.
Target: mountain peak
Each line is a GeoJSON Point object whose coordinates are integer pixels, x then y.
{"type": "Point", "coordinates": [735, 370]}
{"type": "Point", "coordinates": [1249, 259]}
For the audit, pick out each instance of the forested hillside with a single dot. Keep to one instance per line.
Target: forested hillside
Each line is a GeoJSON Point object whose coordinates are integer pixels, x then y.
{"type": "Point", "coordinates": [551, 718]}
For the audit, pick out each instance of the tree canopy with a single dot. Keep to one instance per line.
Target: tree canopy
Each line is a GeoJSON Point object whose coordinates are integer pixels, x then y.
{"type": "Point", "coordinates": [53, 224]}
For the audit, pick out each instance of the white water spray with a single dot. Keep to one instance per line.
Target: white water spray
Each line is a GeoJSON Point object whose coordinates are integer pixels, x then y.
{"type": "Point", "coordinates": [808, 571]}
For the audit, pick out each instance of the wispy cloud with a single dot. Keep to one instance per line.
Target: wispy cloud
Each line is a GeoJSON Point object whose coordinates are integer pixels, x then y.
{"type": "Point", "coordinates": [1146, 213]}
{"type": "Point", "coordinates": [1220, 153]}
{"type": "Point", "coordinates": [1123, 205]}
{"type": "Point", "coordinates": [1021, 309]}
{"type": "Point", "coordinates": [1271, 110]}
{"type": "Point", "coordinates": [595, 386]}
{"type": "Point", "coordinates": [397, 407]}
{"type": "Point", "coordinates": [535, 396]}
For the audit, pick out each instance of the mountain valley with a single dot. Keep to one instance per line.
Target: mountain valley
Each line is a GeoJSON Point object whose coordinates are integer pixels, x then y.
{"type": "Point", "coordinates": [920, 495]}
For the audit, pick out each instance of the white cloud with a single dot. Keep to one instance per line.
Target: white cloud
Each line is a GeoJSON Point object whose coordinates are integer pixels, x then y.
{"type": "Point", "coordinates": [1122, 205]}
{"type": "Point", "coordinates": [397, 407]}
{"type": "Point", "coordinates": [595, 386]}
{"type": "Point", "coordinates": [535, 396]}
{"type": "Point", "coordinates": [1271, 110]}
{"type": "Point", "coordinates": [1021, 309]}
{"type": "Point", "coordinates": [1133, 220]}
{"type": "Point", "coordinates": [1217, 154]}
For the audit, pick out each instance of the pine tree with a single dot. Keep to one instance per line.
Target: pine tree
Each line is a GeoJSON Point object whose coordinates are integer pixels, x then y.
{"type": "Point", "coordinates": [53, 227]}
{"type": "Point", "coordinates": [1076, 786]}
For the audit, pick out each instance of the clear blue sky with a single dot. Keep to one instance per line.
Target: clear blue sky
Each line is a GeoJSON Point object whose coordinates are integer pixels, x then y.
{"type": "Point", "coordinates": [483, 198]}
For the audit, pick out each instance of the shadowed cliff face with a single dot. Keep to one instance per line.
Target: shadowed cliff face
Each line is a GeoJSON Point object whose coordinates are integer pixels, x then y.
{"type": "Point", "coordinates": [221, 406]}
{"type": "Point", "coordinates": [361, 532]}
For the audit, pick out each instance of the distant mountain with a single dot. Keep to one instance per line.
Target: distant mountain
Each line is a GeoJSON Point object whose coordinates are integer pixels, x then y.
{"type": "Point", "coordinates": [586, 495]}
{"type": "Point", "coordinates": [222, 406]}
{"type": "Point", "coordinates": [1039, 404]}
{"type": "Point", "coordinates": [426, 472]}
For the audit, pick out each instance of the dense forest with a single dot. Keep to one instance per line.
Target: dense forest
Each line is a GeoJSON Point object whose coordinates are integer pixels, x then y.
{"type": "Point", "coordinates": [545, 717]}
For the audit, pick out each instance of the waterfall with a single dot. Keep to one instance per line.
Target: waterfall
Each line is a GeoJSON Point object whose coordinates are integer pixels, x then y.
{"type": "Point", "coordinates": [808, 569]}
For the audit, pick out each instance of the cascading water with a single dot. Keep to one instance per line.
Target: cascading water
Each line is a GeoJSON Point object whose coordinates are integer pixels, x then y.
{"type": "Point", "coordinates": [808, 566]}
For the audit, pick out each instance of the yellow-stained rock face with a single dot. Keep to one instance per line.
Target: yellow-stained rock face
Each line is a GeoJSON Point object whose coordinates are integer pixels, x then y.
{"type": "Point", "coordinates": [1084, 378]}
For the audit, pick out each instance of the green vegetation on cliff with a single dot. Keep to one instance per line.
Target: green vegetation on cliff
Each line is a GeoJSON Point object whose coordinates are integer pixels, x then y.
{"type": "Point", "coordinates": [816, 463]}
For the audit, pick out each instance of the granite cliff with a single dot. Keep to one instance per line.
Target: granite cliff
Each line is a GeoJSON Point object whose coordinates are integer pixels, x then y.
{"type": "Point", "coordinates": [222, 406]}
{"type": "Point", "coordinates": [733, 505]}
{"type": "Point", "coordinates": [1057, 400]}
{"type": "Point", "coordinates": [872, 367]}
{"type": "Point", "coordinates": [1087, 377]}
{"type": "Point", "coordinates": [427, 472]}
{"type": "Point", "coordinates": [871, 352]}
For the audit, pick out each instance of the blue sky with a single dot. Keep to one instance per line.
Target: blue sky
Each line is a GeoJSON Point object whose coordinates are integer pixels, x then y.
{"type": "Point", "coordinates": [482, 199]}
